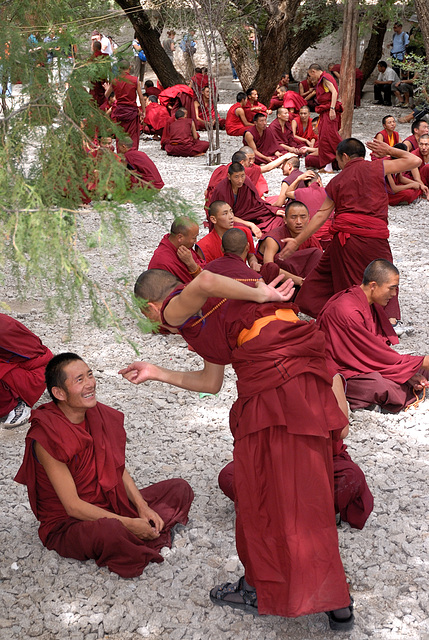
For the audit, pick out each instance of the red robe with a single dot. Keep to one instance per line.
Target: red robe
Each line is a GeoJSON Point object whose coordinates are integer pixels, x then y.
{"type": "Point", "coordinates": [313, 197]}
{"type": "Point", "coordinates": [220, 173]}
{"type": "Point", "coordinates": [390, 140]}
{"type": "Point", "coordinates": [94, 452]}
{"type": "Point", "coordinates": [329, 138]}
{"type": "Point", "coordinates": [358, 83]}
{"type": "Point", "coordinates": [249, 113]}
{"type": "Point", "coordinates": [143, 165]}
{"type": "Point", "coordinates": [152, 91]}
{"type": "Point", "coordinates": [265, 143]}
{"type": "Point", "coordinates": [281, 422]}
{"type": "Point", "coordinates": [234, 266]}
{"type": "Point", "coordinates": [211, 245]}
{"type": "Point", "coordinates": [424, 174]}
{"type": "Point", "coordinates": [292, 99]}
{"type": "Point", "coordinates": [126, 112]}
{"type": "Point", "coordinates": [233, 124]}
{"type": "Point", "coordinates": [413, 141]}
{"type": "Point", "coordinates": [165, 257]}
{"type": "Point", "coordinates": [352, 498]}
{"type": "Point", "coordinates": [23, 359]}
{"type": "Point", "coordinates": [360, 235]}
{"type": "Point", "coordinates": [181, 142]}
{"type": "Point", "coordinates": [97, 90]}
{"type": "Point", "coordinates": [307, 133]}
{"type": "Point", "coordinates": [358, 338]}
{"type": "Point", "coordinates": [300, 263]}
{"type": "Point", "coordinates": [405, 196]}
{"type": "Point", "coordinates": [283, 136]}
{"type": "Point", "coordinates": [247, 205]}
{"type": "Point", "coordinates": [156, 116]}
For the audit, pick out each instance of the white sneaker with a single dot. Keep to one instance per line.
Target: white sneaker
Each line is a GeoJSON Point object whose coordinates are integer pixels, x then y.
{"type": "Point", "coordinates": [400, 328]}
{"type": "Point", "coordinates": [17, 416]}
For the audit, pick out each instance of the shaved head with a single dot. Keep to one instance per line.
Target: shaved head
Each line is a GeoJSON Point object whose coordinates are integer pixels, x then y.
{"type": "Point", "coordinates": [239, 156]}
{"type": "Point", "coordinates": [247, 150]}
{"type": "Point", "coordinates": [182, 224]}
{"type": "Point", "coordinates": [294, 162]}
{"type": "Point", "coordinates": [234, 241]}
{"type": "Point", "coordinates": [379, 271]}
{"type": "Point", "coordinates": [215, 206]}
{"type": "Point", "coordinates": [154, 285]}
{"type": "Point", "coordinates": [235, 167]}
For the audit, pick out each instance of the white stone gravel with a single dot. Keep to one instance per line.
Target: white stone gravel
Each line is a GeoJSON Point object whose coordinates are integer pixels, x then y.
{"type": "Point", "coordinates": [176, 433]}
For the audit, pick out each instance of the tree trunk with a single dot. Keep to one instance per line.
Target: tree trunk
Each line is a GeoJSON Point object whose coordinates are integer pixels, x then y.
{"type": "Point", "coordinates": [422, 9]}
{"type": "Point", "coordinates": [242, 56]}
{"type": "Point", "coordinates": [374, 49]}
{"type": "Point", "coordinates": [348, 65]}
{"type": "Point", "coordinates": [149, 40]}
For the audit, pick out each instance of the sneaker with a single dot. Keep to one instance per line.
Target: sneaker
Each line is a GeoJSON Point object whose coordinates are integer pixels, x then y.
{"type": "Point", "coordinates": [400, 328]}
{"type": "Point", "coordinates": [17, 416]}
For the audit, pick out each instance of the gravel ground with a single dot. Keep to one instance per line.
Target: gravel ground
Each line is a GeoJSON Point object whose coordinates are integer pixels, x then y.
{"type": "Point", "coordinates": [176, 433]}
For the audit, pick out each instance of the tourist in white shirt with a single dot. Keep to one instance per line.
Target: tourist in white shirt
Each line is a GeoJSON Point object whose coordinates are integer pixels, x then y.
{"type": "Point", "coordinates": [383, 85]}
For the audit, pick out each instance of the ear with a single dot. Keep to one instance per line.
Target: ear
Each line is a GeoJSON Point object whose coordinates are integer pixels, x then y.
{"type": "Point", "coordinates": [59, 393]}
{"type": "Point", "coordinates": [213, 219]}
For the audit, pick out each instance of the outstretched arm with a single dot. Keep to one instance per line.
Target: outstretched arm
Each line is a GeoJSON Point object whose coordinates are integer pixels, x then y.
{"type": "Point", "coordinates": [206, 380]}
{"type": "Point", "coordinates": [292, 244]}
{"type": "Point", "coordinates": [277, 162]}
{"type": "Point", "coordinates": [402, 160]}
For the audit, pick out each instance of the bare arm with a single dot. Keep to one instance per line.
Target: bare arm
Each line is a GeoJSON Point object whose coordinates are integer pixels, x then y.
{"type": "Point", "coordinates": [251, 225]}
{"type": "Point", "coordinates": [240, 113]}
{"type": "Point", "coordinates": [251, 143]}
{"type": "Point", "coordinates": [194, 131]}
{"type": "Point", "coordinates": [282, 195]}
{"type": "Point", "coordinates": [206, 380]}
{"type": "Point", "coordinates": [334, 97]}
{"type": "Point", "coordinates": [211, 285]}
{"type": "Point", "coordinates": [277, 162]}
{"type": "Point", "coordinates": [140, 95]}
{"type": "Point", "coordinates": [403, 160]}
{"type": "Point", "coordinates": [62, 481]}
{"type": "Point", "coordinates": [292, 244]}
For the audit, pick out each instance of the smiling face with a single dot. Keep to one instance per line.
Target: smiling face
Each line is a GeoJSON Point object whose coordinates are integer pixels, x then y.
{"type": "Point", "coordinates": [78, 393]}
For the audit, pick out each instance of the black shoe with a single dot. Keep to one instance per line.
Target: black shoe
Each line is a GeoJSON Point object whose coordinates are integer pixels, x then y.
{"type": "Point", "coordinates": [378, 102]}
{"type": "Point", "coordinates": [387, 104]}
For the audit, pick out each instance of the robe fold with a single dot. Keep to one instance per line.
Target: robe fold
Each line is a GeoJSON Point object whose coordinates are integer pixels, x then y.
{"type": "Point", "coordinates": [360, 235]}
{"type": "Point", "coordinates": [266, 143]}
{"type": "Point", "coordinates": [233, 266]}
{"type": "Point", "coordinates": [285, 135]}
{"type": "Point", "coordinates": [23, 359]}
{"type": "Point", "coordinates": [181, 142]}
{"type": "Point", "coordinates": [250, 111]}
{"type": "Point", "coordinates": [313, 196]}
{"type": "Point", "coordinates": [292, 99]}
{"type": "Point", "coordinates": [329, 138]}
{"type": "Point", "coordinates": [358, 339]}
{"type": "Point", "coordinates": [303, 261]}
{"type": "Point", "coordinates": [156, 116]}
{"type": "Point", "coordinates": [282, 423]}
{"type": "Point", "coordinates": [247, 205]}
{"type": "Point", "coordinates": [307, 133]}
{"type": "Point", "coordinates": [94, 452]}
{"type": "Point", "coordinates": [126, 112]}
{"type": "Point", "coordinates": [220, 173]}
{"type": "Point", "coordinates": [141, 163]}
{"type": "Point", "coordinates": [233, 124]}
{"type": "Point", "coordinates": [165, 257]}
{"type": "Point", "coordinates": [406, 196]}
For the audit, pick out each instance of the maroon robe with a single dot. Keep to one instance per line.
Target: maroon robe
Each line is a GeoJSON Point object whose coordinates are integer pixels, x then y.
{"type": "Point", "coordinates": [97, 90]}
{"type": "Point", "coordinates": [250, 112]}
{"type": "Point", "coordinates": [247, 205]}
{"type": "Point", "coordinates": [220, 173]}
{"type": "Point", "coordinates": [23, 359]}
{"type": "Point", "coordinates": [292, 99]}
{"type": "Point", "coordinates": [165, 257]}
{"type": "Point", "coordinates": [181, 142]}
{"type": "Point", "coordinates": [413, 142]}
{"type": "Point", "coordinates": [265, 143]}
{"type": "Point", "coordinates": [406, 196]}
{"type": "Point", "coordinates": [126, 112]}
{"type": "Point", "coordinates": [303, 261]}
{"type": "Point", "coordinates": [352, 498]}
{"type": "Point", "coordinates": [358, 338]}
{"type": "Point", "coordinates": [284, 136]}
{"type": "Point", "coordinates": [281, 422]}
{"type": "Point", "coordinates": [329, 138]}
{"type": "Point", "coordinates": [358, 83]}
{"type": "Point", "coordinates": [313, 197]}
{"type": "Point", "coordinates": [211, 245]}
{"type": "Point", "coordinates": [311, 103]}
{"type": "Point", "coordinates": [308, 132]}
{"type": "Point", "coordinates": [360, 235]}
{"type": "Point", "coordinates": [233, 124]}
{"type": "Point", "coordinates": [424, 174]}
{"type": "Point", "coordinates": [152, 91]}
{"type": "Point", "coordinates": [94, 452]}
{"type": "Point", "coordinates": [233, 266]}
{"type": "Point", "coordinates": [156, 117]}
{"type": "Point", "coordinates": [143, 165]}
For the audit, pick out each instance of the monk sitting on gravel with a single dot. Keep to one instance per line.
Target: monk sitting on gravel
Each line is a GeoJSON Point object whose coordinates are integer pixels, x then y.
{"type": "Point", "coordinates": [358, 339]}
{"type": "Point", "coordinates": [184, 140]}
{"type": "Point", "coordinates": [249, 209]}
{"type": "Point", "coordinates": [175, 252]}
{"type": "Point", "coordinates": [210, 247]}
{"type": "Point", "coordinates": [79, 489]}
{"type": "Point", "coordinates": [309, 253]}
{"type": "Point", "coordinates": [143, 168]}
{"type": "Point", "coordinates": [22, 371]}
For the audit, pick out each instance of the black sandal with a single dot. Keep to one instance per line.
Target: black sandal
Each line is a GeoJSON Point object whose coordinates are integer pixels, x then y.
{"type": "Point", "coordinates": [249, 602]}
{"type": "Point", "coordinates": [341, 624]}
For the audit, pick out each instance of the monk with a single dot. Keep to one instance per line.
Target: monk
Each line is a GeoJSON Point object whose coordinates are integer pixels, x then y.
{"type": "Point", "coordinates": [209, 248]}
{"type": "Point", "coordinates": [283, 134]}
{"type": "Point", "coordinates": [400, 188]}
{"type": "Point", "coordinates": [334, 70]}
{"type": "Point", "coordinates": [236, 122]}
{"type": "Point", "coordinates": [175, 253]}
{"type": "Point", "coordinates": [204, 111]}
{"type": "Point", "coordinates": [388, 134]}
{"type": "Point", "coordinates": [306, 258]}
{"type": "Point", "coordinates": [127, 88]}
{"type": "Point", "coordinates": [143, 168]}
{"type": "Point", "coordinates": [184, 140]}
{"type": "Point", "coordinates": [249, 209]}
{"type": "Point", "coordinates": [360, 232]}
{"type": "Point", "coordinates": [285, 527]}
{"type": "Point", "coordinates": [329, 110]}
{"type": "Point", "coordinates": [358, 340]}
{"type": "Point", "coordinates": [150, 89]}
{"type": "Point", "coordinates": [421, 174]}
{"type": "Point", "coordinates": [23, 358]}
{"type": "Point", "coordinates": [253, 106]}
{"type": "Point", "coordinates": [262, 140]}
{"type": "Point", "coordinates": [308, 92]}
{"type": "Point", "coordinates": [293, 101]}
{"type": "Point", "coordinates": [302, 128]}
{"type": "Point", "coordinates": [418, 128]}
{"type": "Point", "coordinates": [308, 189]}
{"type": "Point", "coordinates": [156, 117]}
{"type": "Point", "coordinates": [97, 90]}
{"type": "Point", "coordinates": [277, 99]}
{"type": "Point", "coordinates": [79, 489]}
